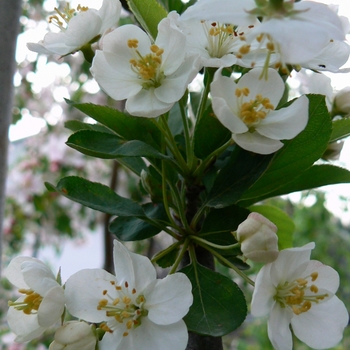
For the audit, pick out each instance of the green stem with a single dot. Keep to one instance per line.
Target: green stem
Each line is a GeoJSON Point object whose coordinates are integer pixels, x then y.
{"type": "Point", "coordinates": [204, 241]}
{"type": "Point", "coordinates": [208, 78]}
{"type": "Point", "coordinates": [180, 256]}
{"type": "Point", "coordinates": [227, 262]}
{"type": "Point", "coordinates": [189, 153]}
{"type": "Point", "coordinates": [165, 251]}
{"type": "Point", "coordinates": [197, 216]}
{"type": "Point", "coordinates": [209, 158]}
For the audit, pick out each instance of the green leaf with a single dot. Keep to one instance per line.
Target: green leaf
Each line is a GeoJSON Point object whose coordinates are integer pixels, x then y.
{"type": "Point", "coordinates": [135, 164]}
{"type": "Point", "coordinates": [148, 13]}
{"type": "Point", "coordinates": [96, 196]}
{"type": "Point", "coordinates": [296, 155]}
{"type": "Point", "coordinates": [316, 176]}
{"type": "Point", "coordinates": [219, 306]}
{"type": "Point", "coordinates": [109, 146]}
{"type": "Point", "coordinates": [135, 229]}
{"type": "Point", "coordinates": [177, 5]}
{"type": "Point", "coordinates": [341, 129]}
{"type": "Point", "coordinates": [76, 125]}
{"type": "Point", "coordinates": [127, 127]}
{"type": "Point", "coordinates": [209, 135]}
{"type": "Point", "coordinates": [283, 222]}
{"type": "Point", "coordinates": [238, 175]}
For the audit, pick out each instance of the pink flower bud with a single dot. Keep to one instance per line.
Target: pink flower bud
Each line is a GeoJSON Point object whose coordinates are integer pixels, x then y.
{"type": "Point", "coordinates": [258, 238]}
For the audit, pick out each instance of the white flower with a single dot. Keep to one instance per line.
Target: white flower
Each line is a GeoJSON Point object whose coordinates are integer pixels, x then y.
{"type": "Point", "coordinates": [78, 28]}
{"type": "Point", "coordinates": [258, 238]}
{"type": "Point", "coordinates": [300, 292]}
{"type": "Point", "coordinates": [151, 76]}
{"type": "Point", "coordinates": [74, 335]}
{"type": "Point", "coordinates": [297, 31]}
{"type": "Point", "coordinates": [247, 109]}
{"type": "Point", "coordinates": [138, 311]}
{"type": "Point", "coordinates": [42, 303]}
{"type": "Point", "coordinates": [341, 103]}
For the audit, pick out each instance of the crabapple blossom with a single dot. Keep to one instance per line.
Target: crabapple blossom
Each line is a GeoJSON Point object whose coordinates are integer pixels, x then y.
{"type": "Point", "coordinates": [300, 292]}
{"type": "Point", "coordinates": [78, 28]}
{"type": "Point", "coordinates": [74, 335]}
{"type": "Point", "coordinates": [296, 31]}
{"type": "Point", "coordinates": [258, 238]}
{"type": "Point", "coordinates": [42, 303]}
{"type": "Point", "coordinates": [151, 76]}
{"type": "Point", "coordinates": [137, 310]}
{"type": "Point", "coordinates": [248, 110]}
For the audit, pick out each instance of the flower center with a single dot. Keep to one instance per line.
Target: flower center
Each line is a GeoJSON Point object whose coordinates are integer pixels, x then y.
{"type": "Point", "coordinates": [252, 112]}
{"type": "Point", "coordinates": [148, 67]}
{"type": "Point", "coordinates": [126, 309]}
{"type": "Point", "coordinates": [300, 294]}
{"type": "Point", "coordinates": [30, 304]}
{"type": "Point", "coordinates": [65, 16]}
{"type": "Point", "coordinates": [223, 38]}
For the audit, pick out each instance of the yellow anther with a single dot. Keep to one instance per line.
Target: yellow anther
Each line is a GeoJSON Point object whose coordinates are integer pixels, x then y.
{"type": "Point", "coordinates": [105, 292]}
{"type": "Point", "coordinates": [116, 301]}
{"type": "Point", "coordinates": [245, 91]}
{"type": "Point", "coordinates": [270, 46]}
{"type": "Point", "coordinates": [244, 49]}
{"type": "Point", "coordinates": [118, 287]}
{"type": "Point", "coordinates": [129, 324]}
{"type": "Point", "coordinates": [125, 314]}
{"type": "Point", "coordinates": [126, 284]}
{"type": "Point", "coordinates": [82, 8]}
{"type": "Point", "coordinates": [126, 300]}
{"type": "Point", "coordinates": [302, 281]}
{"type": "Point", "coordinates": [133, 291]}
{"type": "Point", "coordinates": [133, 43]}
{"type": "Point", "coordinates": [125, 334]}
{"type": "Point", "coordinates": [314, 288]}
{"type": "Point", "coordinates": [314, 276]}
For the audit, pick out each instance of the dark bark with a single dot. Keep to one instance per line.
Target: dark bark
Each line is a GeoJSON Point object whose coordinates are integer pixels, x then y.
{"type": "Point", "coordinates": [9, 28]}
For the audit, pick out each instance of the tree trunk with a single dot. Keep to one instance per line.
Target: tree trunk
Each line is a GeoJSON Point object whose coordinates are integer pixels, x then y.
{"type": "Point", "coordinates": [9, 28]}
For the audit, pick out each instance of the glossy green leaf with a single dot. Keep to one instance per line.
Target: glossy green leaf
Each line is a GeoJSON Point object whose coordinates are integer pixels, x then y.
{"type": "Point", "coordinates": [76, 125]}
{"type": "Point", "coordinates": [209, 135]}
{"type": "Point", "coordinates": [341, 129]}
{"type": "Point", "coordinates": [283, 222]}
{"type": "Point", "coordinates": [242, 170]}
{"type": "Point", "coordinates": [135, 229]}
{"type": "Point", "coordinates": [219, 306]}
{"type": "Point", "coordinates": [109, 146]}
{"type": "Point", "coordinates": [296, 155]}
{"type": "Point", "coordinates": [148, 13]}
{"type": "Point", "coordinates": [96, 196]}
{"type": "Point", "coordinates": [316, 176]}
{"type": "Point", "coordinates": [127, 127]}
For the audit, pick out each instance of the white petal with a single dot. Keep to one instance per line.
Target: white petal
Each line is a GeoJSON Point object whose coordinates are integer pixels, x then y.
{"type": "Point", "coordinates": [286, 123]}
{"type": "Point", "coordinates": [136, 269]}
{"type": "Point", "coordinates": [322, 326]}
{"type": "Point", "coordinates": [84, 290]}
{"type": "Point", "coordinates": [174, 85]}
{"type": "Point", "coordinates": [119, 84]}
{"type": "Point", "coordinates": [263, 294]}
{"type": "Point", "coordinates": [13, 271]}
{"type": "Point", "coordinates": [148, 336]}
{"type": "Point", "coordinates": [109, 14]}
{"type": "Point", "coordinates": [288, 261]}
{"type": "Point", "coordinates": [39, 48]}
{"type": "Point", "coordinates": [51, 307]}
{"type": "Point", "coordinates": [26, 327]}
{"type": "Point", "coordinates": [173, 42]}
{"type": "Point", "coordinates": [254, 142]}
{"type": "Point", "coordinates": [278, 328]}
{"type": "Point", "coordinates": [38, 277]}
{"type": "Point", "coordinates": [117, 41]}
{"type": "Point", "coordinates": [272, 87]}
{"type": "Point", "coordinates": [82, 28]}
{"type": "Point", "coordinates": [327, 279]}
{"type": "Point", "coordinates": [146, 104]}
{"type": "Point", "coordinates": [53, 43]}
{"type": "Point", "coordinates": [225, 11]}
{"type": "Point", "coordinates": [224, 103]}
{"type": "Point", "coordinates": [168, 300]}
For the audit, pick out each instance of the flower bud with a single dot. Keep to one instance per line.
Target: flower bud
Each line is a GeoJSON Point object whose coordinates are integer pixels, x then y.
{"type": "Point", "coordinates": [74, 335]}
{"type": "Point", "coordinates": [258, 238]}
{"type": "Point", "coordinates": [341, 104]}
